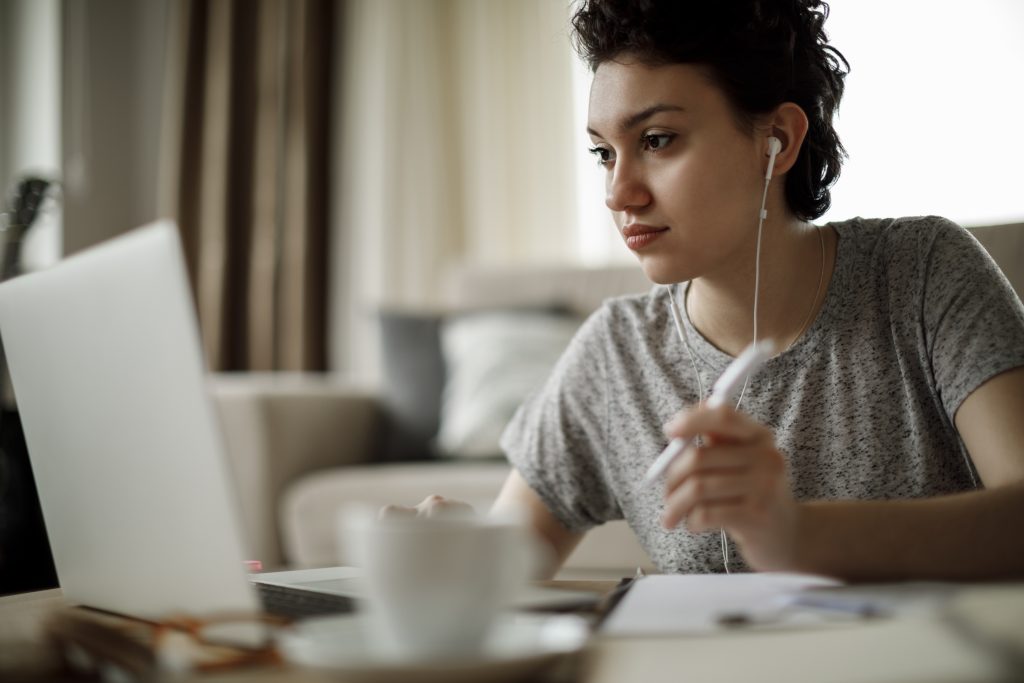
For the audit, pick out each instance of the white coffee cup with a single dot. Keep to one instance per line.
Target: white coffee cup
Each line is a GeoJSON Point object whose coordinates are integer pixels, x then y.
{"type": "Point", "coordinates": [435, 586]}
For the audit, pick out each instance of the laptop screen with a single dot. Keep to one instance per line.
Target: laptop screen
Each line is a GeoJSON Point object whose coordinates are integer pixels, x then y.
{"type": "Point", "coordinates": [125, 447]}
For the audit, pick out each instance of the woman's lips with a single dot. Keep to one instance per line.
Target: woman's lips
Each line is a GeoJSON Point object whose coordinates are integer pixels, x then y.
{"type": "Point", "coordinates": [639, 236]}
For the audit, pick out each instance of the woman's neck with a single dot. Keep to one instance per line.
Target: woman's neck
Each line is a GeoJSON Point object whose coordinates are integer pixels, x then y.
{"type": "Point", "coordinates": [796, 265]}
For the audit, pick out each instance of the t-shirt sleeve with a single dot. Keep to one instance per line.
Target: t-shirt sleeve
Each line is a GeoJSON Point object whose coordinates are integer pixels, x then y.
{"type": "Point", "coordinates": [556, 439]}
{"type": "Point", "coordinates": [973, 320]}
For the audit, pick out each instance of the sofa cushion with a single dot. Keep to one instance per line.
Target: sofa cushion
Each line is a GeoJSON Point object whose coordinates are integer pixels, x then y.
{"type": "Point", "coordinates": [310, 506]}
{"type": "Point", "coordinates": [413, 376]}
{"type": "Point", "coordinates": [309, 509]}
{"type": "Point", "coordinates": [415, 371]}
{"type": "Point", "coordinates": [494, 360]}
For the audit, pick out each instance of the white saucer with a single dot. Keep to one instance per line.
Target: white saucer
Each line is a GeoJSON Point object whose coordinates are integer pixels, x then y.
{"type": "Point", "coordinates": [521, 645]}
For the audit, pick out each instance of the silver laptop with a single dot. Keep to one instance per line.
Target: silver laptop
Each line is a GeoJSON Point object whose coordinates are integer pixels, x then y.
{"type": "Point", "coordinates": [105, 357]}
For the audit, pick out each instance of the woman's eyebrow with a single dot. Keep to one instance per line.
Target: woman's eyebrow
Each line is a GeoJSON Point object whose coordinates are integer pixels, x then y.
{"type": "Point", "coordinates": [639, 117]}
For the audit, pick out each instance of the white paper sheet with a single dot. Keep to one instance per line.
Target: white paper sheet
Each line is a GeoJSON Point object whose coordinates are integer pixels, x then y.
{"type": "Point", "coordinates": [694, 603]}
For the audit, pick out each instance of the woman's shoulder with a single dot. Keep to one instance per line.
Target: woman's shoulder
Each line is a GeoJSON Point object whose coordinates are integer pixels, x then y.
{"type": "Point", "coordinates": [625, 311]}
{"type": "Point", "coordinates": [904, 246]}
{"type": "Point", "coordinates": [907, 230]}
{"type": "Point", "coordinates": [620, 318]}
{"type": "Point", "coordinates": [915, 261]}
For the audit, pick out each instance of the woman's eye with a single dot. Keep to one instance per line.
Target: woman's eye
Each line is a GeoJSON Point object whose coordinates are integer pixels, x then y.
{"type": "Point", "coordinates": [657, 141]}
{"type": "Point", "coordinates": [603, 154]}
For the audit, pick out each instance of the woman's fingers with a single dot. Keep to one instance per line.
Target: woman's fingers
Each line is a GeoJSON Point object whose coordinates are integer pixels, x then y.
{"type": "Point", "coordinates": [430, 507]}
{"type": "Point", "coordinates": [705, 459]}
{"type": "Point", "coordinates": [396, 512]}
{"type": "Point", "coordinates": [723, 423]}
{"type": "Point", "coordinates": [737, 481]}
{"type": "Point", "coordinates": [712, 516]}
{"type": "Point", "coordinates": [722, 487]}
{"type": "Point", "coordinates": [438, 506]}
{"type": "Point", "coordinates": [714, 483]}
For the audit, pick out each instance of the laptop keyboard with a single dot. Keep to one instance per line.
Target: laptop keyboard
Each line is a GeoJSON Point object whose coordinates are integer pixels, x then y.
{"type": "Point", "coordinates": [295, 603]}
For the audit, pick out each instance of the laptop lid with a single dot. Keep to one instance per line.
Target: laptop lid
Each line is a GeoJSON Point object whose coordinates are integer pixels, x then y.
{"type": "Point", "coordinates": [106, 362]}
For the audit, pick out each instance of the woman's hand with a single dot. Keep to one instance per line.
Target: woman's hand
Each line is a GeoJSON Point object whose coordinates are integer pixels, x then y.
{"type": "Point", "coordinates": [735, 481]}
{"type": "Point", "coordinates": [431, 506]}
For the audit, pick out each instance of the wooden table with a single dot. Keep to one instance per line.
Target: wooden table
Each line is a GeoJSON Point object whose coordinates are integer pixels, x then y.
{"type": "Point", "coordinates": [897, 650]}
{"type": "Point", "coordinates": [23, 652]}
{"type": "Point", "coordinates": [905, 649]}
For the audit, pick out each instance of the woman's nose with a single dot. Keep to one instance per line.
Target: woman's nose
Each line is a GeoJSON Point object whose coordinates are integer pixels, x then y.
{"type": "Point", "coordinates": [626, 188]}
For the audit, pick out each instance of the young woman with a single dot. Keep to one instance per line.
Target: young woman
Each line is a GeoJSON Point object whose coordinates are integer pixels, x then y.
{"type": "Point", "coordinates": [883, 440]}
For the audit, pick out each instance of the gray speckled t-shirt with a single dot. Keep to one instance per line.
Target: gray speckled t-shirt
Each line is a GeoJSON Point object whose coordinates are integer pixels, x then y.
{"type": "Point", "coordinates": [917, 316]}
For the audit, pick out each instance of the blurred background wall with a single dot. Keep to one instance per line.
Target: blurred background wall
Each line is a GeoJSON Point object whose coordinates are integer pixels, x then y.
{"type": "Point", "coordinates": [112, 74]}
{"type": "Point", "coordinates": [30, 101]}
{"type": "Point", "coordinates": [454, 145]}
{"type": "Point", "coordinates": [455, 136]}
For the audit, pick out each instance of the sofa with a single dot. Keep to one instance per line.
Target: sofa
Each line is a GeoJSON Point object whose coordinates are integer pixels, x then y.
{"type": "Point", "coordinates": [301, 446]}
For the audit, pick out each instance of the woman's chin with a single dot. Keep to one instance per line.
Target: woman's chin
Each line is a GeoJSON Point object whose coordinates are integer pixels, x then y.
{"type": "Point", "coordinates": [661, 271]}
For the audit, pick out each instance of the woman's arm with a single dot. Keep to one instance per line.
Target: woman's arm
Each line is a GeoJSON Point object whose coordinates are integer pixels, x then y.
{"type": "Point", "coordinates": [967, 536]}
{"type": "Point", "coordinates": [991, 424]}
{"type": "Point", "coordinates": [517, 498]}
{"type": "Point", "coordinates": [738, 482]}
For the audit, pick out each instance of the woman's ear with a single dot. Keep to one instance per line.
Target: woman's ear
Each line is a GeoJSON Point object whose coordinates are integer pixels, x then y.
{"type": "Point", "coordinates": [788, 124]}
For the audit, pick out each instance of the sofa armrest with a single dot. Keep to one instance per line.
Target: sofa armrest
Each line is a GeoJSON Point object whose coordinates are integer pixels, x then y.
{"type": "Point", "coordinates": [278, 427]}
{"type": "Point", "coordinates": [310, 506]}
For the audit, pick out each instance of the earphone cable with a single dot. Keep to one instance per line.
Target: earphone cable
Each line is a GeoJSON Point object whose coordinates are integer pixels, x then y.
{"type": "Point", "coordinates": [684, 338]}
{"type": "Point", "coordinates": [681, 331]}
{"type": "Point", "coordinates": [762, 214]}
{"type": "Point", "coordinates": [677, 319]}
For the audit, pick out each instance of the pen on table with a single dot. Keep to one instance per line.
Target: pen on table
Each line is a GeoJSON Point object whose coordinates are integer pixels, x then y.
{"type": "Point", "coordinates": [830, 602]}
{"type": "Point", "coordinates": [745, 365]}
{"type": "Point", "coordinates": [786, 606]}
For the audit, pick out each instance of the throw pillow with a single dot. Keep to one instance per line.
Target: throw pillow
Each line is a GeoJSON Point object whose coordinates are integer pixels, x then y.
{"type": "Point", "coordinates": [494, 361]}
{"type": "Point", "coordinates": [412, 381]}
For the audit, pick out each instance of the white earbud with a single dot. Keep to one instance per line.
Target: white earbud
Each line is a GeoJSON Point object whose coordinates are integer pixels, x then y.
{"type": "Point", "coordinates": [774, 146]}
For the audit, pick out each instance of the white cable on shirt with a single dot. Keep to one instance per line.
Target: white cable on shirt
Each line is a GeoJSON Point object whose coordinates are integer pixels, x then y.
{"type": "Point", "coordinates": [681, 331]}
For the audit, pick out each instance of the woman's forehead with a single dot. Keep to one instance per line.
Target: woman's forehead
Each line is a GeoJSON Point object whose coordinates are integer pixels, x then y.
{"type": "Point", "coordinates": [621, 90]}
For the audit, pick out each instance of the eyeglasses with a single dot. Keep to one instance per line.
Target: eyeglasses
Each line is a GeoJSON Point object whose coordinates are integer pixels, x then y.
{"type": "Point", "coordinates": [119, 648]}
{"type": "Point", "coordinates": [220, 642]}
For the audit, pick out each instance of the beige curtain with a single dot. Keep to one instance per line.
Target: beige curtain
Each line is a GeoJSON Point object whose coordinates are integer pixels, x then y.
{"type": "Point", "coordinates": [244, 171]}
{"type": "Point", "coordinates": [455, 129]}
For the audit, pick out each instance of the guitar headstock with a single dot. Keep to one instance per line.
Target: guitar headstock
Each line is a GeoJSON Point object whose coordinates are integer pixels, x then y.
{"type": "Point", "coordinates": [25, 202]}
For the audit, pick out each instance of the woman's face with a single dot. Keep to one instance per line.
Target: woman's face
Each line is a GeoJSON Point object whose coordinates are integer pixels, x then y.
{"type": "Point", "coordinates": [683, 182]}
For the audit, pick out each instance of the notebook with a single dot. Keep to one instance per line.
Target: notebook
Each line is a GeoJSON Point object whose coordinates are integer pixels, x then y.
{"type": "Point", "coordinates": [107, 366]}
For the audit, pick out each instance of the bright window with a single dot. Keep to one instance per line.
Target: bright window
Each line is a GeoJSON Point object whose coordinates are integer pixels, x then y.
{"type": "Point", "coordinates": [930, 118]}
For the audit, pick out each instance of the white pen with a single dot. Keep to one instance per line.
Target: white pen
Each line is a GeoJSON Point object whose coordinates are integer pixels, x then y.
{"type": "Point", "coordinates": [723, 391]}
{"type": "Point", "coordinates": [832, 602]}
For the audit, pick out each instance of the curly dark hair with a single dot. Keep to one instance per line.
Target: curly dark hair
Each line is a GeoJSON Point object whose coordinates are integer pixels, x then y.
{"type": "Point", "coordinates": [761, 53]}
